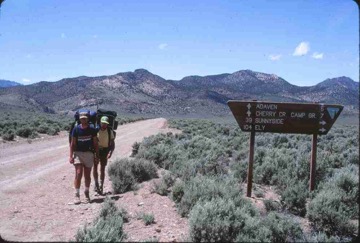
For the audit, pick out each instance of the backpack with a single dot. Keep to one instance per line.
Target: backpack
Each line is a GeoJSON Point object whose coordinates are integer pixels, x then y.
{"type": "Point", "coordinates": [91, 117]}
{"type": "Point", "coordinates": [113, 124]}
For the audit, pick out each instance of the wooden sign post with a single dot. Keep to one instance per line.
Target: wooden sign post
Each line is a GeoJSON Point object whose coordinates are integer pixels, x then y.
{"type": "Point", "coordinates": [275, 117]}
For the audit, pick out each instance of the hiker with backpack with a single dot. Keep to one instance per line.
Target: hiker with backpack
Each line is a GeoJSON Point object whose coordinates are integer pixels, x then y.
{"type": "Point", "coordinates": [83, 144]}
{"type": "Point", "coordinates": [106, 142]}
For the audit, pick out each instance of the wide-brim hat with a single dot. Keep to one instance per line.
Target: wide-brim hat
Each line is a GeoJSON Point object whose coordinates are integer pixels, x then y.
{"type": "Point", "coordinates": [83, 115]}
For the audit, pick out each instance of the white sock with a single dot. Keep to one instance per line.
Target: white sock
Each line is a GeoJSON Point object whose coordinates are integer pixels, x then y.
{"type": "Point", "coordinates": [77, 190]}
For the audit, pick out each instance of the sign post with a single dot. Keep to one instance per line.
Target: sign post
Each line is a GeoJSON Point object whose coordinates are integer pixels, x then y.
{"type": "Point", "coordinates": [277, 117]}
{"type": "Point", "coordinates": [251, 162]}
{"type": "Point", "coordinates": [313, 162]}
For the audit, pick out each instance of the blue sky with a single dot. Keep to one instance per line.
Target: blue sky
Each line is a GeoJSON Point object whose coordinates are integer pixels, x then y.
{"type": "Point", "coordinates": [302, 41]}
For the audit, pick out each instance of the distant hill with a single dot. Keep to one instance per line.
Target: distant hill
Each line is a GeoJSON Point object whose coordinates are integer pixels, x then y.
{"type": "Point", "coordinates": [142, 92]}
{"type": "Point", "coordinates": [7, 83]}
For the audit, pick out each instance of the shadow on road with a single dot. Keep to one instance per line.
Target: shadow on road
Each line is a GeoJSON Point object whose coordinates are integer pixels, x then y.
{"type": "Point", "coordinates": [101, 200]}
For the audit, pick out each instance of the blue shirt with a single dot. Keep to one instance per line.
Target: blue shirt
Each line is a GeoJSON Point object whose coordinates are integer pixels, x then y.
{"type": "Point", "coordinates": [84, 138]}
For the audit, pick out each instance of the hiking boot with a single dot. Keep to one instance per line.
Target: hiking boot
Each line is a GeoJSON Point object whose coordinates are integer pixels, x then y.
{"type": "Point", "coordinates": [77, 198]}
{"type": "Point", "coordinates": [87, 197]}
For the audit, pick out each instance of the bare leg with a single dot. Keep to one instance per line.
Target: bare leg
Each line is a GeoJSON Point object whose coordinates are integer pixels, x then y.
{"type": "Point", "coordinates": [87, 175]}
{"type": "Point", "coordinates": [95, 171]}
{"type": "Point", "coordinates": [102, 173]}
{"type": "Point", "coordinates": [78, 175]}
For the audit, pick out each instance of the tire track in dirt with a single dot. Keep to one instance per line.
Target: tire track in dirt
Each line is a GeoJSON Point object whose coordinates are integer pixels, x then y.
{"type": "Point", "coordinates": [36, 185]}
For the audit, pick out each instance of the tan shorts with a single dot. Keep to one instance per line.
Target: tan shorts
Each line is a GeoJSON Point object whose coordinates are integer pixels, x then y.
{"type": "Point", "coordinates": [85, 158]}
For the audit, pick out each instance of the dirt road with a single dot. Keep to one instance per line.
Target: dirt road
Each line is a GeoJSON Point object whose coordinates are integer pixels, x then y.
{"type": "Point", "coordinates": [36, 185]}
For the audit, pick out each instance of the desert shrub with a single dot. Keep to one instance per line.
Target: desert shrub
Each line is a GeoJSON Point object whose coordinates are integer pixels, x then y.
{"type": "Point", "coordinates": [253, 231]}
{"type": "Point", "coordinates": [156, 148]}
{"type": "Point", "coordinates": [345, 182]}
{"type": "Point", "coordinates": [126, 173]}
{"type": "Point", "coordinates": [148, 218]}
{"type": "Point", "coordinates": [107, 227]}
{"type": "Point", "coordinates": [122, 178]}
{"type": "Point", "coordinates": [53, 131]}
{"type": "Point", "coordinates": [151, 239]}
{"type": "Point", "coordinates": [264, 173]}
{"type": "Point", "coordinates": [271, 205]}
{"type": "Point", "coordinates": [124, 120]}
{"type": "Point", "coordinates": [353, 157]}
{"type": "Point", "coordinates": [43, 128]}
{"type": "Point", "coordinates": [135, 149]}
{"type": "Point", "coordinates": [214, 163]}
{"type": "Point", "coordinates": [66, 126]}
{"type": "Point", "coordinates": [218, 220]}
{"type": "Point", "coordinates": [167, 180]}
{"type": "Point", "coordinates": [109, 209]}
{"type": "Point", "coordinates": [9, 135]}
{"type": "Point", "coordinates": [142, 169]}
{"type": "Point", "coordinates": [327, 214]}
{"type": "Point", "coordinates": [280, 141]}
{"type": "Point", "coordinates": [24, 132]}
{"type": "Point", "coordinates": [206, 188]}
{"type": "Point", "coordinates": [273, 228]}
{"type": "Point", "coordinates": [239, 169]}
{"type": "Point", "coordinates": [185, 169]}
{"type": "Point", "coordinates": [157, 154]}
{"type": "Point", "coordinates": [294, 197]}
{"type": "Point", "coordinates": [322, 237]}
{"type": "Point", "coordinates": [35, 121]}
{"type": "Point", "coordinates": [160, 188]}
{"type": "Point", "coordinates": [177, 191]}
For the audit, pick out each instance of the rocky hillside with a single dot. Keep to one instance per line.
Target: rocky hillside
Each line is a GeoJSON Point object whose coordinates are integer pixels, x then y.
{"type": "Point", "coordinates": [141, 92]}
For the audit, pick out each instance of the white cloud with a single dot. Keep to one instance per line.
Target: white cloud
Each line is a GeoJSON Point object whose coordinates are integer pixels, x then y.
{"type": "Point", "coordinates": [94, 36]}
{"type": "Point", "coordinates": [162, 46]}
{"type": "Point", "coordinates": [302, 49]}
{"type": "Point", "coordinates": [26, 81]}
{"type": "Point", "coordinates": [28, 56]}
{"type": "Point", "coordinates": [317, 55]}
{"type": "Point", "coordinates": [274, 57]}
{"type": "Point", "coordinates": [63, 36]}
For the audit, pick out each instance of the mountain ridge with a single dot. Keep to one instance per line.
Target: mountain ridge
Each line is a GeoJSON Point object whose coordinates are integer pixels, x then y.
{"type": "Point", "coordinates": [142, 92]}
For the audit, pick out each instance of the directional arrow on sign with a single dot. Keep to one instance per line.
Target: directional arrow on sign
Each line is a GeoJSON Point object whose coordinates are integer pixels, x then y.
{"type": "Point", "coordinates": [322, 123]}
{"type": "Point", "coordinates": [249, 106]}
{"type": "Point", "coordinates": [248, 113]}
{"type": "Point", "coordinates": [322, 130]}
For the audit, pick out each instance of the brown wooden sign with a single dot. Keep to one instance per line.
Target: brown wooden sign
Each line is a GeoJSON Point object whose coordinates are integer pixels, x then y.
{"type": "Point", "coordinates": [262, 116]}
